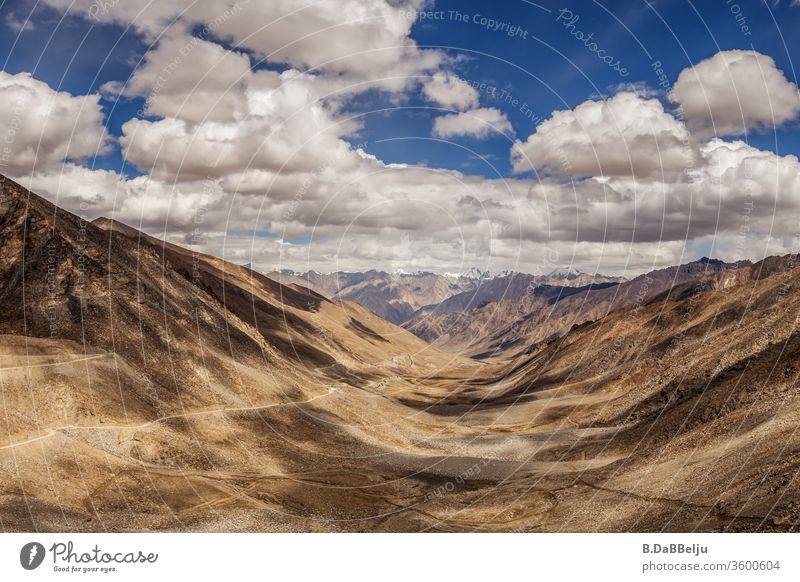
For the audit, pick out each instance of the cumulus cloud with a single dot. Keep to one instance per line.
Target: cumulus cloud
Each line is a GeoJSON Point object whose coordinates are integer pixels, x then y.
{"type": "Point", "coordinates": [362, 41]}
{"type": "Point", "coordinates": [266, 150]}
{"type": "Point", "coordinates": [148, 18]}
{"type": "Point", "coordinates": [478, 123]}
{"type": "Point", "coordinates": [733, 186]}
{"type": "Point", "coordinates": [191, 79]}
{"type": "Point", "coordinates": [77, 188]}
{"type": "Point", "coordinates": [626, 135]}
{"type": "Point", "coordinates": [141, 201]}
{"type": "Point", "coordinates": [449, 219]}
{"type": "Point", "coordinates": [282, 125]}
{"type": "Point", "coordinates": [40, 126]}
{"type": "Point", "coordinates": [220, 117]}
{"type": "Point", "coordinates": [451, 92]}
{"type": "Point", "coordinates": [360, 38]}
{"type": "Point", "coordinates": [735, 91]}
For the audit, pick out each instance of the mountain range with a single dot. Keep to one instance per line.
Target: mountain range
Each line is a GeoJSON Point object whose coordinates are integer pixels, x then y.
{"type": "Point", "coordinates": [399, 297]}
{"type": "Point", "coordinates": [510, 323]}
{"type": "Point", "coordinates": [148, 387]}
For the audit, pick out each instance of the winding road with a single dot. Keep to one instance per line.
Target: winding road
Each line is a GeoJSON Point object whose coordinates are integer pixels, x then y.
{"type": "Point", "coordinates": [53, 431]}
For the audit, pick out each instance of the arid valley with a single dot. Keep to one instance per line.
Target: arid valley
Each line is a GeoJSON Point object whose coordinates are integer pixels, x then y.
{"type": "Point", "coordinates": [146, 387]}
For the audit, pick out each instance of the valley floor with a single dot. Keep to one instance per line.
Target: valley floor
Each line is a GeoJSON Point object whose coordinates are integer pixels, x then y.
{"type": "Point", "coordinates": [465, 451]}
{"type": "Point", "coordinates": [146, 387]}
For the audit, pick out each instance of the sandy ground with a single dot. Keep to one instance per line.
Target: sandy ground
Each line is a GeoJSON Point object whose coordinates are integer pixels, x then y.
{"type": "Point", "coordinates": [157, 390]}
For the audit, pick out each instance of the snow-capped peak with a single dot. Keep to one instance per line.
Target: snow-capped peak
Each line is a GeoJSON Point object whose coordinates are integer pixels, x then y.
{"type": "Point", "coordinates": [567, 273]}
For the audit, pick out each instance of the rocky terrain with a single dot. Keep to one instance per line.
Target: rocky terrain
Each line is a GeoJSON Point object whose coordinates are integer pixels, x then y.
{"type": "Point", "coordinates": [150, 388]}
{"type": "Point", "coordinates": [395, 297]}
{"type": "Point", "coordinates": [400, 297]}
{"type": "Point", "coordinates": [530, 313]}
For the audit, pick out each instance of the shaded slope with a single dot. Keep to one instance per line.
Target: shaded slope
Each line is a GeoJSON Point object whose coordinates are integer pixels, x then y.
{"type": "Point", "coordinates": [173, 391]}
{"type": "Point", "coordinates": [510, 324]}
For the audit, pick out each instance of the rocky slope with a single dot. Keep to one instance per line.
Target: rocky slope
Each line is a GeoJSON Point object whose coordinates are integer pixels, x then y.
{"type": "Point", "coordinates": [529, 315]}
{"type": "Point", "coordinates": [394, 297]}
{"type": "Point", "coordinates": [327, 284]}
{"type": "Point", "coordinates": [399, 297]}
{"type": "Point", "coordinates": [149, 388]}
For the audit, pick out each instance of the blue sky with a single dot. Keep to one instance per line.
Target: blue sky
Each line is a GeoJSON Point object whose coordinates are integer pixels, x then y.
{"type": "Point", "coordinates": [524, 61]}
{"type": "Point", "coordinates": [547, 70]}
{"type": "Point", "coordinates": [552, 70]}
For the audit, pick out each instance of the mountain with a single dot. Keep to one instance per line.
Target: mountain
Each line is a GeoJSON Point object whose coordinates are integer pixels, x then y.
{"type": "Point", "coordinates": [507, 315]}
{"type": "Point", "coordinates": [400, 296]}
{"type": "Point", "coordinates": [574, 278]}
{"type": "Point", "coordinates": [147, 387]}
{"type": "Point", "coordinates": [506, 286]}
{"type": "Point", "coordinates": [691, 398]}
{"type": "Point", "coordinates": [394, 297]}
{"type": "Point", "coordinates": [327, 284]}
{"type": "Point", "coordinates": [108, 333]}
{"type": "Point", "coordinates": [397, 297]}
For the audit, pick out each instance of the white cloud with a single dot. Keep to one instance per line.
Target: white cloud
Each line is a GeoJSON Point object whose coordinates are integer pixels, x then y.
{"type": "Point", "coordinates": [365, 39]}
{"type": "Point", "coordinates": [625, 135]}
{"type": "Point", "coordinates": [146, 17]}
{"type": "Point", "coordinates": [282, 125]}
{"type": "Point", "coordinates": [17, 24]}
{"type": "Point", "coordinates": [254, 150]}
{"type": "Point", "coordinates": [190, 79]}
{"type": "Point", "coordinates": [39, 125]}
{"type": "Point", "coordinates": [360, 41]}
{"type": "Point", "coordinates": [451, 92]}
{"type": "Point", "coordinates": [138, 201]}
{"type": "Point", "coordinates": [479, 123]}
{"type": "Point", "coordinates": [220, 118]}
{"type": "Point", "coordinates": [450, 220]}
{"type": "Point", "coordinates": [733, 186]}
{"type": "Point", "coordinates": [735, 91]}
{"type": "Point", "coordinates": [76, 188]}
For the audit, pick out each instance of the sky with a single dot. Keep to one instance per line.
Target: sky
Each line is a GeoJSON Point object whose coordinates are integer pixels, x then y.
{"type": "Point", "coordinates": [614, 137]}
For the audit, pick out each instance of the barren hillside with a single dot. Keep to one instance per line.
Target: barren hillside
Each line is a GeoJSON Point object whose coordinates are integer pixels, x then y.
{"type": "Point", "coordinates": [146, 387]}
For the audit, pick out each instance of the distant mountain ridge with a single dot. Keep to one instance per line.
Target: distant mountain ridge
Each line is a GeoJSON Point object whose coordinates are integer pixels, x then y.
{"type": "Point", "coordinates": [467, 324]}
{"type": "Point", "coordinates": [480, 314]}
{"type": "Point", "coordinates": [400, 296]}
{"type": "Point", "coordinates": [394, 297]}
